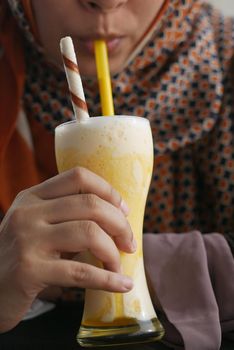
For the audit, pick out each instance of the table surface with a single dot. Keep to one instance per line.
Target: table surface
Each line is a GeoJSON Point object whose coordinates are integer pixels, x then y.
{"type": "Point", "coordinates": [57, 329]}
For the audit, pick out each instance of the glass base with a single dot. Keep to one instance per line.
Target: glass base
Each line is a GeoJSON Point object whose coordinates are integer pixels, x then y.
{"type": "Point", "coordinates": [139, 332]}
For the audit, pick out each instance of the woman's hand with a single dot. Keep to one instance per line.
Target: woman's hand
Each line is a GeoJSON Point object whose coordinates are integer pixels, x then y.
{"type": "Point", "coordinates": [73, 212]}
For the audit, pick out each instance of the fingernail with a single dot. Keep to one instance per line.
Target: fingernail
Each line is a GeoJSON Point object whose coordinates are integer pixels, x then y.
{"type": "Point", "coordinates": [124, 207]}
{"type": "Point", "coordinates": [134, 245]}
{"type": "Point", "coordinates": [127, 283]}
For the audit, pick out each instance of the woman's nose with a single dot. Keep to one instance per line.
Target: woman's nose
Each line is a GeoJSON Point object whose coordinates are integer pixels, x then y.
{"type": "Point", "coordinates": [103, 5]}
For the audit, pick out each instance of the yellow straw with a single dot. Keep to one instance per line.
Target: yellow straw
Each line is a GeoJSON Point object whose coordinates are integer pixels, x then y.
{"type": "Point", "coordinates": [103, 74]}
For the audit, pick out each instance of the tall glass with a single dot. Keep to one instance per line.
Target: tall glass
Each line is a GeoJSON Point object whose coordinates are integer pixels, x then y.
{"type": "Point", "coordinates": [119, 149]}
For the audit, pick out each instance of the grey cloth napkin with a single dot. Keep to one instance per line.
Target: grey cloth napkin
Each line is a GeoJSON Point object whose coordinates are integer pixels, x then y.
{"type": "Point", "coordinates": [192, 281]}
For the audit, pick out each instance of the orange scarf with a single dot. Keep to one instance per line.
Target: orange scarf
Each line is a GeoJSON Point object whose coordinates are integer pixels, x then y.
{"type": "Point", "coordinates": [12, 144]}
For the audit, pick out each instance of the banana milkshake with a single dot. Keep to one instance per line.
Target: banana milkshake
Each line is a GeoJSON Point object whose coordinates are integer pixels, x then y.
{"type": "Point", "coordinates": [120, 150]}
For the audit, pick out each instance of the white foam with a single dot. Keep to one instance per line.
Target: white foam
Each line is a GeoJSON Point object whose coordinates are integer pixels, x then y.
{"type": "Point", "coordinates": [118, 133]}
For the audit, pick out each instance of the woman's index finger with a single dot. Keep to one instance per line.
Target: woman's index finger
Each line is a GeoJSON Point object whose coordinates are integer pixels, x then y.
{"type": "Point", "coordinates": [79, 181]}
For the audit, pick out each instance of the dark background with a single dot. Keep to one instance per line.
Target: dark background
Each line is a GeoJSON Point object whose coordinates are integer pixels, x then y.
{"type": "Point", "coordinates": [57, 330]}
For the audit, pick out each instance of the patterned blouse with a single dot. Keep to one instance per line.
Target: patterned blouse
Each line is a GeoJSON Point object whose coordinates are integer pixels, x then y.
{"type": "Point", "coordinates": [181, 79]}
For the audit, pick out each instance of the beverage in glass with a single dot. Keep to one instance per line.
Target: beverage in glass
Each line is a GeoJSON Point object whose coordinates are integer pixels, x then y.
{"type": "Point", "coordinates": [119, 149]}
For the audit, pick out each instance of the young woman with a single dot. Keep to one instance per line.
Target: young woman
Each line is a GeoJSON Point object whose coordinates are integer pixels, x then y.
{"type": "Point", "coordinates": [171, 62]}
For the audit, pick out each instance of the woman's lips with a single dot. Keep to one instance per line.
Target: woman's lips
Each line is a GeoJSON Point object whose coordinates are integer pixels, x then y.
{"type": "Point", "coordinates": [112, 44]}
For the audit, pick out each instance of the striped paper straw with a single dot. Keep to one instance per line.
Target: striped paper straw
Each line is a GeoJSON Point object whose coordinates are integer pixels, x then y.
{"type": "Point", "coordinates": [73, 79]}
